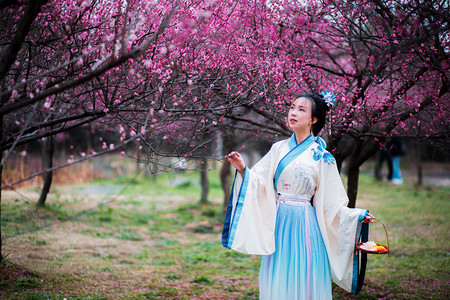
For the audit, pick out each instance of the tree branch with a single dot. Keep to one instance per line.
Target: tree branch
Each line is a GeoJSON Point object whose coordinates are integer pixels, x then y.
{"type": "Point", "coordinates": [10, 54]}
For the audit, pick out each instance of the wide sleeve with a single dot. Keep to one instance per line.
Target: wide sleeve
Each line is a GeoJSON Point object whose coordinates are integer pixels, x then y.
{"type": "Point", "coordinates": [249, 225]}
{"type": "Point", "coordinates": [338, 225]}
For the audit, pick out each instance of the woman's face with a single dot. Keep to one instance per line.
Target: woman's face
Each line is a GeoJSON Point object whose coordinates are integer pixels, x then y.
{"type": "Point", "coordinates": [300, 115]}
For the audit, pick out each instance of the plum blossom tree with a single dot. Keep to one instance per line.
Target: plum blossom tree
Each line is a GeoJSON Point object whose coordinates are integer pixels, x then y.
{"type": "Point", "coordinates": [173, 76]}
{"type": "Point", "coordinates": [59, 58]}
{"type": "Point", "coordinates": [388, 63]}
{"type": "Point", "coordinates": [126, 65]}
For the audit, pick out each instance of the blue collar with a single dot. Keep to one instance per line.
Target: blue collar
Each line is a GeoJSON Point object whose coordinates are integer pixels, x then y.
{"type": "Point", "coordinates": [293, 141]}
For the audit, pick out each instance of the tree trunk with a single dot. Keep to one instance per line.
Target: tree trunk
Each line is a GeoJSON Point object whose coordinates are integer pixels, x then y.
{"type": "Point", "coordinates": [151, 169]}
{"type": "Point", "coordinates": [341, 147]}
{"type": "Point", "coordinates": [419, 165]}
{"type": "Point", "coordinates": [1, 172]}
{"type": "Point", "coordinates": [352, 184]}
{"type": "Point", "coordinates": [47, 163]}
{"type": "Point", "coordinates": [154, 172]}
{"type": "Point", "coordinates": [138, 163]}
{"type": "Point", "coordinates": [225, 175]}
{"type": "Point", "coordinates": [204, 180]}
{"type": "Point", "coordinates": [363, 151]}
{"type": "Point", "coordinates": [225, 179]}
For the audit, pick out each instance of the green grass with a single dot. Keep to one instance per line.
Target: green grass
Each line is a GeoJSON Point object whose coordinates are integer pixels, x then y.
{"type": "Point", "coordinates": [419, 238]}
{"type": "Point", "coordinates": [156, 241]}
{"type": "Point", "coordinates": [23, 216]}
{"type": "Point", "coordinates": [184, 184]}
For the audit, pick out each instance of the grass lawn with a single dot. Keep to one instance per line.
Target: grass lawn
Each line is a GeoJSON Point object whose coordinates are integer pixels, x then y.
{"type": "Point", "coordinates": [134, 238]}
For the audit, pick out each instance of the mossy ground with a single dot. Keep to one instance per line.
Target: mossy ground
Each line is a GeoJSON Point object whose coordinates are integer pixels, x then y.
{"type": "Point", "coordinates": [135, 238]}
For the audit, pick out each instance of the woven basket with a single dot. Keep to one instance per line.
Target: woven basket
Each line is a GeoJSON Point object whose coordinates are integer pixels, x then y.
{"type": "Point", "coordinates": [378, 251]}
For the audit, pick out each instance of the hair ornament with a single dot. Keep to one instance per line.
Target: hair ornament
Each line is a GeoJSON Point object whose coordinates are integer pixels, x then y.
{"type": "Point", "coordinates": [329, 98]}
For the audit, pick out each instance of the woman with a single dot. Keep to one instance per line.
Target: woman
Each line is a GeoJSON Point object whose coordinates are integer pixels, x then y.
{"type": "Point", "coordinates": [304, 245]}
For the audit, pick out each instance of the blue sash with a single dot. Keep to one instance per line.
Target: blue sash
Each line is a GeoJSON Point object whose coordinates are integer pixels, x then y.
{"type": "Point", "coordinates": [294, 151]}
{"type": "Point", "coordinates": [231, 221]}
{"type": "Point", "coordinates": [359, 266]}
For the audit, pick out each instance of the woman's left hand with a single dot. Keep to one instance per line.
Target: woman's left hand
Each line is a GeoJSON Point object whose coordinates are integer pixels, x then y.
{"type": "Point", "coordinates": [369, 218]}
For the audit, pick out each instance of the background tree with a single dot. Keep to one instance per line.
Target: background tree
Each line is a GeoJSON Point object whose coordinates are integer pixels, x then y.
{"type": "Point", "coordinates": [59, 56]}
{"type": "Point", "coordinates": [239, 59]}
{"type": "Point", "coordinates": [174, 76]}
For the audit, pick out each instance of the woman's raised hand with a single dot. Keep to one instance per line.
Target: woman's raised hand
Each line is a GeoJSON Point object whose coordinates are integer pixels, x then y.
{"type": "Point", "coordinates": [236, 160]}
{"type": "Point", "coordinates": [369, 218]}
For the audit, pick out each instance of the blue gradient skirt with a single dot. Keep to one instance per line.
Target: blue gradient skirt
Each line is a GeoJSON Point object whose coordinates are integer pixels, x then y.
{"type": "Point", "coordinates": [299, 268]}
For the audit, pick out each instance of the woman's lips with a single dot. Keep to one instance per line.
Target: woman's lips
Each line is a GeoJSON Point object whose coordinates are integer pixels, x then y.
{"type": "Point", "coordinates": [293, 121]}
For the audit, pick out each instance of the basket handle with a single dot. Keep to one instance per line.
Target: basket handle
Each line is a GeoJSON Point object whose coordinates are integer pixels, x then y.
{"type": "Point", "coordinates": [385, 230]}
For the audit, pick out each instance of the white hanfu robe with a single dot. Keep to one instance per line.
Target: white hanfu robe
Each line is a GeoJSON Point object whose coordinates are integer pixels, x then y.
{"type": "Point", "coordinates": [303, 246]}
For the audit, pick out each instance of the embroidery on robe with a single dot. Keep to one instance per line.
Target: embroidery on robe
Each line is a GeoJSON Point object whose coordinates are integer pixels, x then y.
{"type": "Point", "coordinates": [303, 179]}
{"type": "Point", "coordinates": [285, 186]}
{"type": "Point", "coordinates": [320, 153]}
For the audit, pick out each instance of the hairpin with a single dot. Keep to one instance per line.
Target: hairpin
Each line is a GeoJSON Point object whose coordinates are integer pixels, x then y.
{"type": "Point", "coordinates": [328, 97]}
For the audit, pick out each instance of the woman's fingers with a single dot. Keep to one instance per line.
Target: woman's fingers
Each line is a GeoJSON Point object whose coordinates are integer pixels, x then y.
{"type": "Point", "coordinates": [232, 155]}
{"type": "Point", "coordinates": [236, 160]}
{"type": "Point", "coordinates": [369, 218]}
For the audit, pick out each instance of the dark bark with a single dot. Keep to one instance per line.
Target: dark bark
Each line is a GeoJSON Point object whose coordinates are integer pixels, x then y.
{"type": "Point", "coordinates": [1, 171]}
{"type": "Point", "coordinates": [74, 82]}
{"type": "Point", "coordinates": [345, 146]}
{"type": "Point", "coordinates": [419, 165]}
{"type": "Point", "coordinates": [363, 151]}
{"type": "Point", "coordinates": [225, 176]}
{"type": "Point", "coordinates": [204, 180]}
{"type": "Point", "coordinates": [47, 163]}
{"type": "Point", "coordinates": [225, 179]}
{"type": "Point", "coordinates": [352, 187]}
{"type": "Point", "coordinates": [154, 171]}
{"type": "Point", "coordinates": [6, 3]}
{"type": "Point", "coordinates": [9, 56]}
{"type": "Point", "coordinates": [79, 121]}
